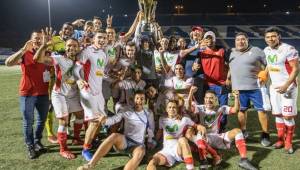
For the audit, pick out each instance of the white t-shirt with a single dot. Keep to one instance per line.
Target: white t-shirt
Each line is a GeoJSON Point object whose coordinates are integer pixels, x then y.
{"type": "Point", "coordinates": [178, 84]}
{"type": "Point", "coordinates": [277, 62]}
{"type": "Point", "coordinates": [135, 124]}
{"type": "Point", "coordinates": [171, 59]}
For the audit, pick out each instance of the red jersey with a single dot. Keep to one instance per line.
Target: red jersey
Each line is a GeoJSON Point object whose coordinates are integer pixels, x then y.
{"type": "Point", "coordinates": [32, 80]}
{"type": "Point", "coordinates": [214, 68]}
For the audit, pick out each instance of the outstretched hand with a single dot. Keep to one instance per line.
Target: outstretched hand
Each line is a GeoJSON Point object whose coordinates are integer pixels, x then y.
{"type": "Point", "coordinates": [109, 20]}
{"type": "Point", "coordinates": [47, 35]}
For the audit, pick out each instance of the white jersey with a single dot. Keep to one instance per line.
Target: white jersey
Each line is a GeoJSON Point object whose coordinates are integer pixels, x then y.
{"type": "Point", "coordinates": [210, 118]}
{"type": "Point", "coordinates": [277, 62]}
{"type": "Point", "coordinates": [136, 124]}
{"type": "Point", "coordinates": [94, 62]}
{"type": "Point", "coordinates": [178, 84]}
{"type": "Point", "coordinates": [128, 87]}
{"type": "Point", "coordinates": [171, 59]}
{"type": "Point", "coordinates": [173, 128]}
{"type": "Point", "coordinates": [65, 82]}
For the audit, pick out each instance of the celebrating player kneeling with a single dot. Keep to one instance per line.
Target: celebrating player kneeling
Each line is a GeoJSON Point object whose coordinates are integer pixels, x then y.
{"type": "Point", "coordinates": [137, 122]}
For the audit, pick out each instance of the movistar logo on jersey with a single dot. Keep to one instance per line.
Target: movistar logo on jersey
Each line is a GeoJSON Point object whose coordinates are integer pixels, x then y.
{"type": "Point", "coordinates": [179, 85]}
{"type": "Point", "coordinates": [112, 52]}
{"type": "Point", "coordinates": [100, 63]}
{"type": "Point", "coordinates": [272, 59]}
{"type": "Point", "coordinates": [169, 58]}
{"type": "Point", "coordinates": [172, 129]}
{"type": "Point", "coordinates": [209, 119]}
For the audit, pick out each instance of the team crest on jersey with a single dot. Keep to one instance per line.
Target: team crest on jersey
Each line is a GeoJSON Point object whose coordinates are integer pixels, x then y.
{"type": "Point", "coordinates": [70, 81]}
{"type": "Point", "coordinates": [209, 119]}
{"type": "Point", "coordinates": [179, 85]}
{"type": "Point", "coordinates": [272, 59]}
{"type": "Point", "coordinates": [99, 73]}
{"type": "Point", "coordinates": [169, 58]}
{"type": "Point", "coordinates": [100, 63]}
{"type": "Point", "coordinates": [172, 129]}
{"type": "Point", "coordinates": [273, 69]}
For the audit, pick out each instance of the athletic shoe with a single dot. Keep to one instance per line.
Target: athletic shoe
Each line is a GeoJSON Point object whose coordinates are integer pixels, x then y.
{"type": "Point", "coordinates": [289, 150]}
{"type": "Point", "coordinates": [217, 160]}
{"type": "Point", "coordinates": [203, 164]}
{"type": "Point", "coordinates": [278, 145]}
{"type": "Point", "coordinates": [245, 164]}
{"type": "Point", "coordinates": [245, 133]}
{"type": "Point", "coordinates": [265, 139]}
{"type": "Point", "coordinates": [31, 152]}
{"type": "Point", "coordinates": [39, 147]}
{"type": "Point", "coordinates": [85, 167]}
{"type": "Point", "coordinates": [87, 155]}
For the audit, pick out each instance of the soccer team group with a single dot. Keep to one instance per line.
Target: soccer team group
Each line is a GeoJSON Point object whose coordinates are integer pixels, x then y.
{"type": "Point", "coordinates": [165, 93]}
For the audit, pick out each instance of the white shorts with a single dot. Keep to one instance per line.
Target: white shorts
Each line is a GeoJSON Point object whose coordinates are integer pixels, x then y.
{"type": "Point", "coordinates": [170, 152]}
{"type": "Point", "coordinates": [93, 105]}
{"type": "Point", "coordinates": [218, 141]}
{"type": "Point", "coordinates": [281, 105]}
{"type": "Point", "coordinates": [63, 105]}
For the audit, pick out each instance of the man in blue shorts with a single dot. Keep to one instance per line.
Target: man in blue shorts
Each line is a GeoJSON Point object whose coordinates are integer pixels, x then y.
{"type": "Point", "coordinates": [245, 63]}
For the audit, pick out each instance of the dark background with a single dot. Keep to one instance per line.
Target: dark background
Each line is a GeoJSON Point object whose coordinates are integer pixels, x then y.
{"type": "Point", "coordinates": [20, 17]}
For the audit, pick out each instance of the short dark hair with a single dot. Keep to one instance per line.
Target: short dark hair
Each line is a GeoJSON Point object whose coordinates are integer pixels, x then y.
{"type": "Point", "coordinates": [101, 31]}
{"type": "Point", "coordinates": [69, 24]}
{"type": "Point", "coordinates": [136, 66]}
{"type": "Point", "coordinates": [96, 17]}
{"type": "Point", "coordinates": [241, 33]}
{"type": "Point", "coordinates": [272, 29]}
{"type": "Point", "coordinates": [139, 92]}
{"type": "Point", "coordinates": [73, 39]}
{"type": "Point", "coordinates": [130, 44]}
{"type": "Point", "coordinates": [89, 23]}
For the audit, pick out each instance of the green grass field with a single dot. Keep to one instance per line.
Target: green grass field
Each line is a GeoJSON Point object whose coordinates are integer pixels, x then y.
{"type": "Point", "coordinates": [13, 154]}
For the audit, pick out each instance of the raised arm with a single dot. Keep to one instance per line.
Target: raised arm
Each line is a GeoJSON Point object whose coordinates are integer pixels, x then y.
{"type": "Point", "coordinates": [41, 54]}
{"type": "Point", "coordinates": [236, 107]}
{"type": "Point", "coordinates": [16, 58]}
{"type": "Point", "coordinates": [133, 26]}
{"type": "Point", "coordinates": [193, 90]}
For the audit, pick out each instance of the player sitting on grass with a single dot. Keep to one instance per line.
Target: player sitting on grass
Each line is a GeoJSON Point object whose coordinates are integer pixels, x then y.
{"type": "Point", "coordinates": [210, 116]}
{"type": "Point", "coordinates": [137, 122]}
{"type": "Point", "coordinates": [175, 145]}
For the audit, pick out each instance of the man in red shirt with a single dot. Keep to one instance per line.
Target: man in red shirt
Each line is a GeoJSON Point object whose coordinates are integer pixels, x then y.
{"type": "Point", "coordinates": [213, 60]}
{"type": "Point", "coordinates": [33, 91]}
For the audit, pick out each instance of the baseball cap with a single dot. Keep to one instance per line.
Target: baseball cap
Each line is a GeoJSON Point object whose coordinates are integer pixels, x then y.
{"type": "Point", "coordinates": [210, 33]}
{"type": "Point", "coordinates": [197, 27]}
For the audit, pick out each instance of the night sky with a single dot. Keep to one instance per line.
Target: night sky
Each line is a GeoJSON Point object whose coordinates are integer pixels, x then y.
{"type": "Point", "coordinates": [20, 17]}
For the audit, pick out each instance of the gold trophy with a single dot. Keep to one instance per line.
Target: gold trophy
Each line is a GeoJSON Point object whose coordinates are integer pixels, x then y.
{"type": "Point", "coordinates": [148, 7]}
